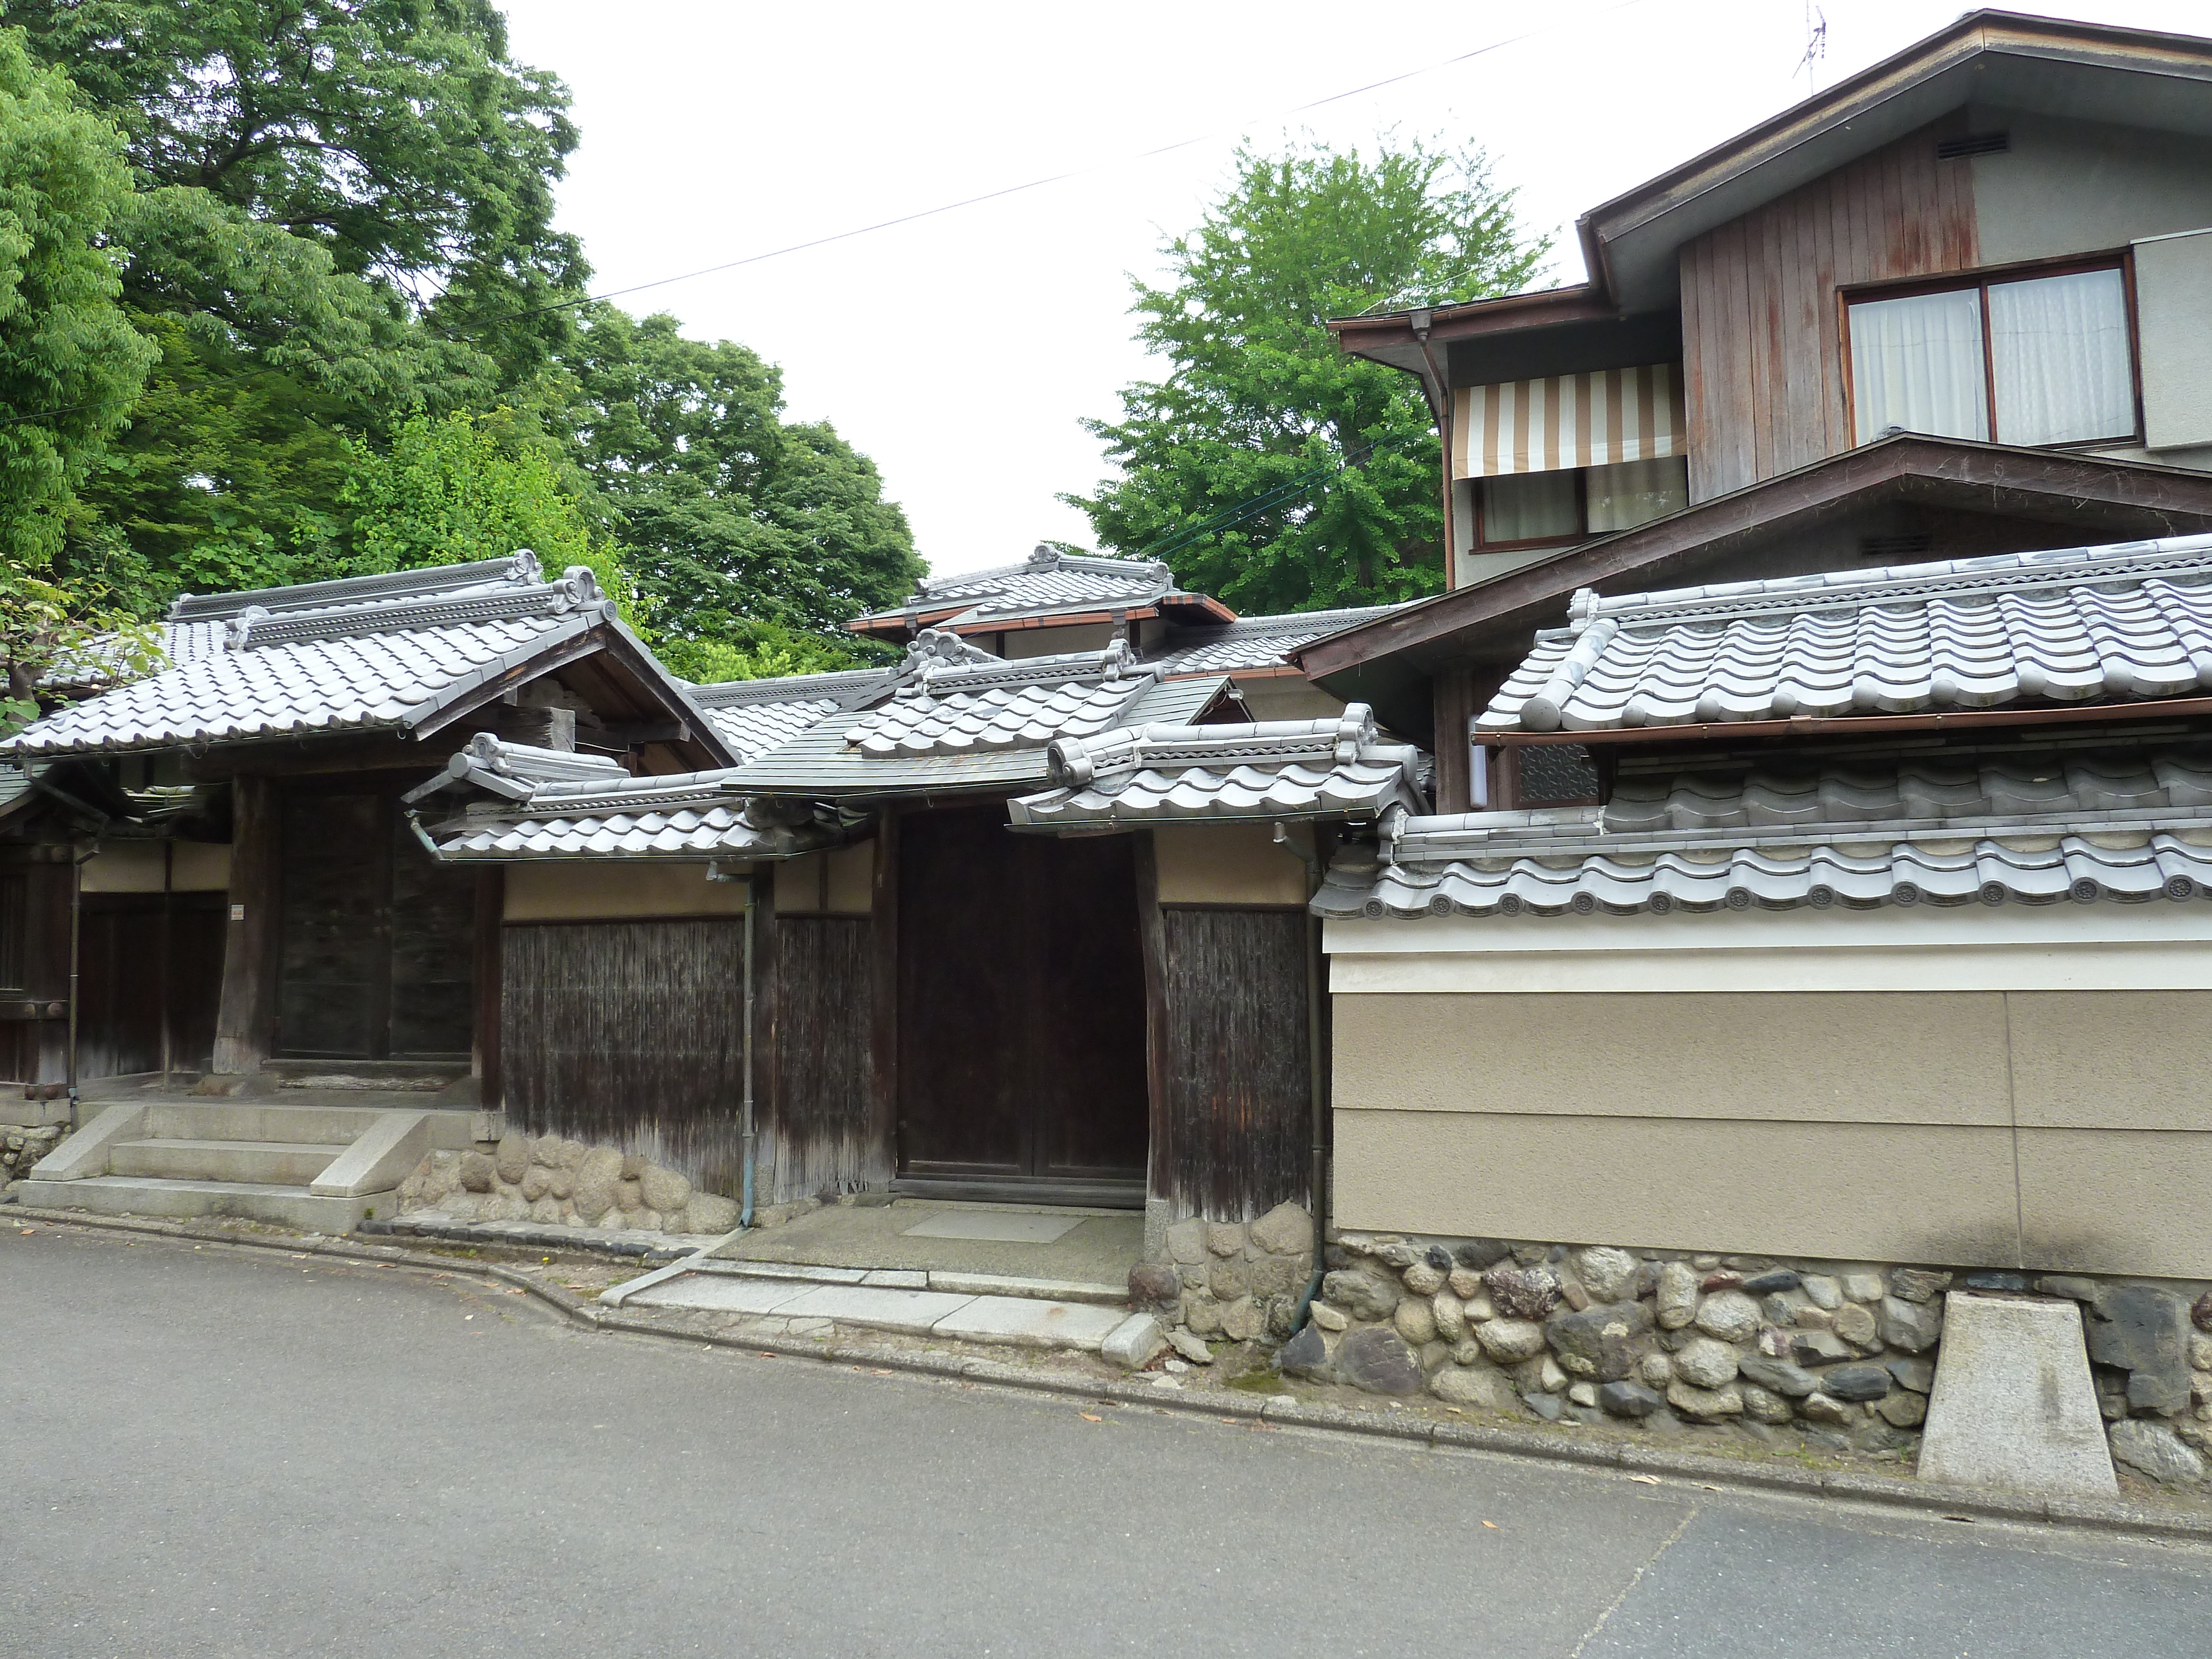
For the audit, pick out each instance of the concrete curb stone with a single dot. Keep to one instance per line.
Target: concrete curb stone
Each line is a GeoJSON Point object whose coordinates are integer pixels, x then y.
{"type": "Point", "coordinates": [2108, 1516]}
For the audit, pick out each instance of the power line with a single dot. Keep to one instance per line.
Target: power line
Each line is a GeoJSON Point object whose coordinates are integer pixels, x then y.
{"type": "Point", "coordinates": [1032, 184]}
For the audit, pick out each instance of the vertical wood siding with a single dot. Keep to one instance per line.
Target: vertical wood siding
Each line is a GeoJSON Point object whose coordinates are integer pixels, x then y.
{"type": "Point", "coordinates": [1238, 1105]}
{"type": "Point", "coordinates": [629, 1034]}
{"type": "Point", "coordinates": [1762, 354]}
{"type": "Point", "coordinates": [124, 981]}
{"type": "Point", "coordinates": [815, 1063]}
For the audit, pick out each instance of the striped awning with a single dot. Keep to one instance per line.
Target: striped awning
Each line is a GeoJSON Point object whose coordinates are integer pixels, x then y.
{"type": "Point", "coordinates": [1566, 421]}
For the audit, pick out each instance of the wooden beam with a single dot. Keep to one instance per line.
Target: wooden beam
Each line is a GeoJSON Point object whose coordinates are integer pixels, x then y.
{"type": "Point", "coordinates": [883, 988]}
{"type": "Point", "coordinates": [1452, 694]}
{"type": "Point", "coordinates": [487, 946]}
{"type": "Point", "coordinates": [1159, 1162]}
{"type": "Point", "coordinates": [247, 1019]}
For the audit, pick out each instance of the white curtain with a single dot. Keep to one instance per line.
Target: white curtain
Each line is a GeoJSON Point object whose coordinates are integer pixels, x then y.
{"type": "Point", "coordinates": [1630, 493]}
{"type": "Point", "coordinates": [1530, 507]}
{"type": "Point", "coordinates": [1917, 363]}
{"type": "Point", "coordinates": [2059, 350]}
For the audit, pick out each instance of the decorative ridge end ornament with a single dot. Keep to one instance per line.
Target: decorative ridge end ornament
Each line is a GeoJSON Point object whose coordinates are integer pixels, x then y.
{"type": "Point", "coordinates": [523, 567]}
{"type": "Point", "coordinates": [519, 760]}
{"type": "Point", "coordinates": [579, 590]}
{"type": "Point", "coordinates": [1042, 556]}
{"type": "Point", "coordinates": [940, 647]}
{"type": "Point", "coordinates": [238, 631]}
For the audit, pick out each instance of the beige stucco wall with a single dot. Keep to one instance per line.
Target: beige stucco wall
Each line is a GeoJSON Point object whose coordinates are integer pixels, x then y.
{"type": "Point", "coordinates": [2173, 321]}
{"type": "Point", "coordinates": [136, 867]}
{"type": "Point", "coordinates": [1227, 864]}
{"type": "Point", "coordinates": [841, 882]}
{"type": "Point", "coordinates": [2003, 1129]}
{"type": "Point", "coordinates": [1287, 697]}
{"type": "Point", "coordinates": [1021, 642]}
{"type": "Point", "coordinates": [606, 892]}
{"type": "Point", "coordinates": [2066, 187]}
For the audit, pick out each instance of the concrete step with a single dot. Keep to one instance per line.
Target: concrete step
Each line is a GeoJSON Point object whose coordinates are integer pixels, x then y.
{"type": "Point", "coordinates": [420, 1076]}
{"type": "Point", "coordinates": [798, 1305]}
{"type": "Point", "coordinates": [260, 1163]}
{"type": "Point", "coordinates": [268, 1121]}
{"type": "Point", "coordinates": [252, 1200]}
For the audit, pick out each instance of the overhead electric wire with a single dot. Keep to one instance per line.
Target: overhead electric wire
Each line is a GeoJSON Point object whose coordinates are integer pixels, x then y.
{"type": "Point", "coordinates": [1033, 183]}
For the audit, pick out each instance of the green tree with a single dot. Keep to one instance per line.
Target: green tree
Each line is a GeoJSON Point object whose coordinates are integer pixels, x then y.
{"type": "Point", "coordinates": [462, 487]}
{"type": "Point", "coordinates": [1258, 401]}
{"type": "Point", "coordinates": [732, 518]}
{"type": "Point", "coordinates": [398, 134]}
{"type": "Point", "coordinates": [69, 362]}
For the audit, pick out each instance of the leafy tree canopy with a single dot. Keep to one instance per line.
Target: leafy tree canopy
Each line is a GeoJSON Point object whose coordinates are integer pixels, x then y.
{"type": "Point", "coordinates": [1258, 400]}
{"type": "Point", "coordinates": [70, 362]}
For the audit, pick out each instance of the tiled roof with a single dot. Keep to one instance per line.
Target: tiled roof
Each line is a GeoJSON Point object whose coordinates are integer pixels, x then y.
{"type": "Point", "coordinates": [756, 716]}
{"type": "Point", "coordinates": [1047, 577]}
{"type": "Point", "coordinates": [388, 660]}
{"type": "Point", "coordinates": [1274, 769]}
{"type": "Point", "coordinates": [14, 786]}
{"type": "Point", "coordinates": [1254, 641]}
{"type": "Point", "coordinates": [2027, 827]}
{"type": "Point", "coordinates": [959, 707]}
{"type": "Point", "coordinates": [2118, 622]}
{"type": "Point", "coordinates": [550, 805]}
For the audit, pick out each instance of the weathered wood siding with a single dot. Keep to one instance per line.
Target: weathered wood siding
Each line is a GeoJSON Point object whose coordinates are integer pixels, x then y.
{"type": "Point", "coordinates": [1763, 366]}
{"type": "Point", "coordinates": [628, 1033]}
{"type": "Point", "coordinates": [1238, 1100]}
{"type": "Point", "coordinates": [139, 971]}
{"type": "Point", "coordinates": [815, 1088]}
{"type": "Point", "coordinates": [34, 901]}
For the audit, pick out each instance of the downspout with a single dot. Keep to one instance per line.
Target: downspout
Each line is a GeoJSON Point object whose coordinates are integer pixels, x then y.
{"type": "Point", "coordinates": [1316, 1078]}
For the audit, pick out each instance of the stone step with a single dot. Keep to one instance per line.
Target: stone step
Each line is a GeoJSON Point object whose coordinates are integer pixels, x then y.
{"type": "Point", "coordinates": [912, 1278]}
{"type": "Point", "coordinates": [1022, 1322]}
{"type": "Point", "coordinates": [265, 1121]}
{"type": "Point", "coordinates": [284, 1206]}
{"type": "Point", "coordinates": [260, 1163]}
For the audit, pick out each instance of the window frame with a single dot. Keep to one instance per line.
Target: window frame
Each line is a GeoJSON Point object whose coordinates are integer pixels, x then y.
{"type": "Point", "coordinates": [1580, 533]}
{"type": "Point", "coordinates": [1981, 280]}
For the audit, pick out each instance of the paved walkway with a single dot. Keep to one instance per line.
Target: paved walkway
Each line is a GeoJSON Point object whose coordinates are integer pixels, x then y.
{"type": "Point", "coordinates": [1090, 1246]}
{"type": "Point", "coordinates": [228, 1452]}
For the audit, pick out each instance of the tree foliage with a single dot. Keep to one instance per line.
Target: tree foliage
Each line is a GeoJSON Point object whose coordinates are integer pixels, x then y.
{"type": "Point", "coordinates": [1258, 401]}
{"type": "Point", "coordinates": [70, 362]}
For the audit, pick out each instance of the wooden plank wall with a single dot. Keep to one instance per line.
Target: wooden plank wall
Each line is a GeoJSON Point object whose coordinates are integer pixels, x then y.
{"type": "Point", "coordinates": [1238, 1103]}
{"type": "Point", "coordinates": [628, 1033]}
{"type": "Point", "coordinates": [34, 907]}
{"type": "Point", "coordinates": [1763, 366]}
{"type": "Point", "coordinates": [815, 1085]}
{"type": "Point", "coordinates": [130, 960]}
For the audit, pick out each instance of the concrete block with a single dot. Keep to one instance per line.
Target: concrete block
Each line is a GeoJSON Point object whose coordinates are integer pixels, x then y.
{"type": "Point", "coordinates": [2013, 1405]}
{"type": "Point", "coordinates": [1132, 1344]}
{"type": "Point", "coordinates": [381, 1159]}
{"type": "Point", "coordinates": [84, 1154]}
{"type": "Point", "coordinates": [286, 1206]}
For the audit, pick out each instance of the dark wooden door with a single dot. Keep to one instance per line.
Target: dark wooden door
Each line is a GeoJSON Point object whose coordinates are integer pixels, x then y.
{"type": "Point", "coordinates": [1021, 1017]}
{"type": "Point", "coordinates": [374, 960]}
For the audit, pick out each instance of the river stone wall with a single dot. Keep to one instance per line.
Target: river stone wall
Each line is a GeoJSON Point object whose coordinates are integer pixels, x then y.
{"type": "Point", "coordinates": [558, 1182]}
{"type": "Point", "coordinates": [1841, 1353]}
{"type": "Point", "coordinates": [22, 1145]}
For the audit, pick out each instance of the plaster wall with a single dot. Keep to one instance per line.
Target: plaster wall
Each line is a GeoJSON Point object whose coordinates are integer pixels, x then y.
{"type": "Point", "coordinates": [837, 883]}
{"type": "Point", "coordinates": [1287, 697]}
{"type": "Point", "coordinates": [1023, 643]}
{"type": "Point", "coordinates": [1227, 864]}
{"type": "Point", "coordinates": [2055, 1130]}
{"type": "Point", "coordinates": [2066, 186]}
{"type": "Point", "coordinates": [2173, 321]}
{"type": "Point", "coordinates": [136, 867]}
{"type": "Point", "coordinates": [611, 891]}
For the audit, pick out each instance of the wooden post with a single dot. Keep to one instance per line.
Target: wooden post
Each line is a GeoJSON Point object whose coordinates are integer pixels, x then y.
{"type": "Point", "coordinates": [883, 943]}
{"type": "Point", "coordinates": [1159, 1180]}
{"type": "Point", "coordinates": [487, 946]}
{"type": "Point", "coordinates": [1451, 692]}
{"type": "Point", "coordinates": [247, 1020]}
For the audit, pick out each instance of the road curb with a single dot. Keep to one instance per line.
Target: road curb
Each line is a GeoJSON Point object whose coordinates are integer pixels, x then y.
{"type": "Point", "coordinates": [1657, 1462]}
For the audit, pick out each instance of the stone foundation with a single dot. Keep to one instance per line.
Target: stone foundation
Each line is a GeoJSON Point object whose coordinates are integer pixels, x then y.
{"type": "Point", "coordinates": [559, 1183]}
{"type": "Point", "coordinates": [22, 1145]}
{"type": "Point", "coordinates": [1842, 1354]}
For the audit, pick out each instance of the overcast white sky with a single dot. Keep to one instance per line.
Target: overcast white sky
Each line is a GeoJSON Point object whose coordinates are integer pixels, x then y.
{"type": "Point", "coordinates": [961, 351]}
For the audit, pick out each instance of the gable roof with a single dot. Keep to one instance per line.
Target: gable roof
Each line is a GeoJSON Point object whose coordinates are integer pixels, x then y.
{"type": "Point", "coordinates": [1271, 770]}
{"type": "Point", "coordinates": [1255, 642]}
{"type": "Point", "coordinates": [403, 653]}
{"type": "Point", "coordinates": [1048, 587]}
{"type": "Point", "coordinates": [2128, 76]}
{"type": "Point", "coordinates": [2078, 625]}
{"type": "Point", "coordinates": [1495, 617]}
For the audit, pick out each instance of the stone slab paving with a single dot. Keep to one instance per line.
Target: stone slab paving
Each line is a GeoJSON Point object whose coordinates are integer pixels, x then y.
{"type": "Point", "coordinates": [722, 1295]}
{"type": "Point", "coordinates": [1030, 1323]}
{"type": "Point", "coordinates": [1000, 1226]}
{"type": "Point", "coordinates": [913, 1311]}
{"type": "Point", "coordinates": [1096, 1247]}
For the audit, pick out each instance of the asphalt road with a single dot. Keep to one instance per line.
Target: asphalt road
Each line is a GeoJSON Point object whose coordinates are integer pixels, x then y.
{"type": "Point", "coordinates": [213, 1451]}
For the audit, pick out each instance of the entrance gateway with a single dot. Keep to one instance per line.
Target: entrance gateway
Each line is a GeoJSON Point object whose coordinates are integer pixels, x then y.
{"type": "Point", "coordinates": [1021, 1014]}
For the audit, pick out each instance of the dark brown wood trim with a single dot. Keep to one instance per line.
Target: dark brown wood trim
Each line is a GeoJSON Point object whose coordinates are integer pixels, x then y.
{"type": "Point", "coordinates": [587, 644]}
{"type": "Point", "coordinates": [491, 917]}
{"type": "Point", "coordinates": [884, 989]}
{"type": "Point", "coordinates": [246, 1019]}
{"type": "Point", "coordinates": [1160, 1164]}
{"type": "Point", "coordinates": [1957, 719]}
{"type": "Point", "coordinates": [1204, 904]}
{"type": "Point", "coordinates": [1452, 698]}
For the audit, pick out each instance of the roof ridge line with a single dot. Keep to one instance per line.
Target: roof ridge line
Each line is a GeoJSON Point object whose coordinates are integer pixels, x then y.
{"type": "Point", "coordinates": [521, 567]}
{"type": "Point", "coordinates": [577, 590]}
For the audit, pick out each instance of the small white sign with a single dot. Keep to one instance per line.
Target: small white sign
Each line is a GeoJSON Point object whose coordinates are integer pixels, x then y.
{"type": "Point", "coordinates": [238, 913]}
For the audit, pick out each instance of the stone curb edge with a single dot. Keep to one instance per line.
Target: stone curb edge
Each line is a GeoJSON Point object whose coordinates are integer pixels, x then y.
{"type": "Point", "coordinates": [1964, 1501]}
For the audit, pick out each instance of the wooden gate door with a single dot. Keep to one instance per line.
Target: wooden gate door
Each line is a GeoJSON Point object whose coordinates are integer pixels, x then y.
{"type": "Point", "coordinates": [1021, 1019]}
{"type": "Point", "coordinates": [375, 935]}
